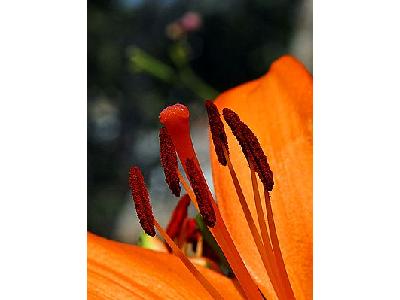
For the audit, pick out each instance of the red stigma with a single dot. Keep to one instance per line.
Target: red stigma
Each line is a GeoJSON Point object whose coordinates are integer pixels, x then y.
{"type": "Point", "coordinates": [217, 132]}
{"type": "Point", "coordinates": [169, 161]}
{"type": "Point", "coordinates": [251, 147]}
{"type": "Point", "coordinates": [141, 199]}
{"type": "Point", "coordinates": [176, 119]}
{"type": "Point", "coordinates": [178, 216]}
{"type": "Point", "coordinates": [176, 111]}
{"type": "Point", "coordinates": [202, 192]}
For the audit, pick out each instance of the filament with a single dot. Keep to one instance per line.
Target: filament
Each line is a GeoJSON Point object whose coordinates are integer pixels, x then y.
{"type": "Point", "coordinates": [222, 236]}
{"type": "Point", "coordinates": [274, 239]}
{"type": "Point", "coordinates": [204, 282]}
{"type": "Point", "coordinates": [265, 250]}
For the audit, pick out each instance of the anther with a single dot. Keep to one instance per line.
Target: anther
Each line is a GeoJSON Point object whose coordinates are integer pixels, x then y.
{"type": "Point", "coordinates": [250, 147]}
{"type": "Point", "coordinates": [178, 216]}
{"type": "Point", "coordinates": [202, 192]}
{"type": "Point", "coordinates": [141, 199]}
{"type": "Point", "coordinates": [169, 161]}
{"type": "Point", "coordinates": [217, 132]}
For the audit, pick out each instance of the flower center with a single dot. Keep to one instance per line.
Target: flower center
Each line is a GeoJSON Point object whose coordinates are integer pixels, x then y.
{"type": "Point", "coordinates": [176, 119]}
{"type": "Point", "coordinates": [144, 211]}
{"type": "Point", "coordinates": [175, 139]}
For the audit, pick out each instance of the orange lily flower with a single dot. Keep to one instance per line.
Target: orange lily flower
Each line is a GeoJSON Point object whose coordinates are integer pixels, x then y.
{"type": "Point", "coordinates": [278, 109]}
{"type": "Point", "coordinates": [122, 271]}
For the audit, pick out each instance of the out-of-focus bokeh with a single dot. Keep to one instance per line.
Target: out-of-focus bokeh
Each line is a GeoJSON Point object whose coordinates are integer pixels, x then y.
{"type": "Point", "coordinates": [146, 54]}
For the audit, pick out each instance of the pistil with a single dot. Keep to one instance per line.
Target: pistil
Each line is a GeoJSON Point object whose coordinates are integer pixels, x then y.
{"type": "Point", "coordinates": [221, 235]}
{"type": "Point", "coordinates": [176, 119]}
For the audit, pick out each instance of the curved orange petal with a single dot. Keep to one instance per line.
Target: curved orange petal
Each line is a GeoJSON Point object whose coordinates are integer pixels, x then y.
{"type": "Point", "coordinates": [278, 108]}
{"type": "Point", "coordinates": [121, 271]}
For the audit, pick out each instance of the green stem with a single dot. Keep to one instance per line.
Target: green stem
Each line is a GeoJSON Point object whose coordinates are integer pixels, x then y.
{"type": "Point", "coordinates": [146, 63]}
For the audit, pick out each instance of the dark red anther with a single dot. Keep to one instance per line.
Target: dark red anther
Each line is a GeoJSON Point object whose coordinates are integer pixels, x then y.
{"type": "Point", "coordinates": [217, 132]}
{"type": "Point", "coordinates": [141, 199]}
{"type": "Point", "coordinates": [250, 147]}
{"type": "Point", "coordinates": [169, 161]}
{"type": "Point", "coordinates": [202, 192]}
{"type": "Point", "coordinates": [178, 216]}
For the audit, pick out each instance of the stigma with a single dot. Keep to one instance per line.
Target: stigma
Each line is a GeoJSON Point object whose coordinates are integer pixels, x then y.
{"type": "Point", "coordinates": [175, 141]}
{"type": "Point", "coordinates": [176, 119]}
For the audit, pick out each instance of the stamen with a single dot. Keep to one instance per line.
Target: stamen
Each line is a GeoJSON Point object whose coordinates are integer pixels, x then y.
{"type": "Point", "coordinates": [246, 284]}
{"type": "Point", "coordinates": [257, 161]}
{"type": "Point", "coordinates": [176, 119]}
{"type": "Point", "coordinates": [217, 132]}
{"type": "Point", "coordinates": [169, 161]}
{"type": "Point", "coordinates": [144, 211]}
{"type": "Point", "coordinates": [178, 216]}
{"type": "Point", "coordinates": [275, 244]}
{"type": "Point", "coordinates": [250, 147]}
{"type": "Point", "coordinates": [204, 282]}
{"type": "Point", "coordinates": [203, 194]}
{"type": "Point", "coordinates": [265, 250]}
{"type": "Point", "coordinates": [141, 198]}
{"type": "Point", "coordinates": [199, 246]}
{"type": "Point", "coordinates": [266, 237]}
{"type": "Point", "coordinates": [221, 149]}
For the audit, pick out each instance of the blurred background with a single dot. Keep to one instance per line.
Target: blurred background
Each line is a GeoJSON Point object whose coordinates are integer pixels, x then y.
{"type": "Point", "coordinates": [146, 54]}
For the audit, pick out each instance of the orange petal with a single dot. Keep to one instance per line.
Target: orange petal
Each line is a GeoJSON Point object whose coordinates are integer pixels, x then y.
{"type": "Point", "coordinates": [278, 108]}
{"type": "Point", "coordinates": [121, 271]}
